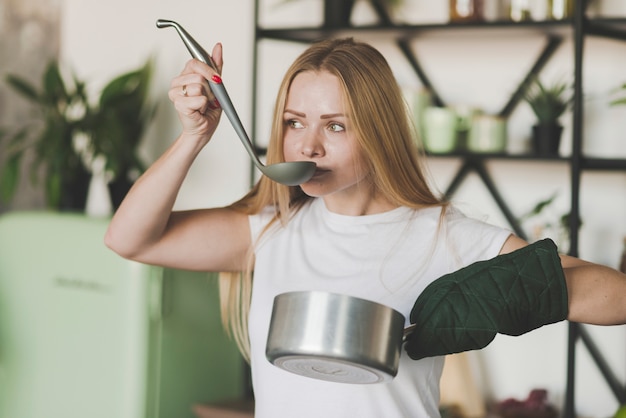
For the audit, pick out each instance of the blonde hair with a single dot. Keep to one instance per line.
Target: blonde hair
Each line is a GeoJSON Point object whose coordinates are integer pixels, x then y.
{"type": "Point", "coordinates": [384, 133]}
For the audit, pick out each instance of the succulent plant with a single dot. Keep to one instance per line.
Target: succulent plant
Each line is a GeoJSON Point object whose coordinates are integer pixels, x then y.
{"type": "Point", "coordinates": [548, 102]}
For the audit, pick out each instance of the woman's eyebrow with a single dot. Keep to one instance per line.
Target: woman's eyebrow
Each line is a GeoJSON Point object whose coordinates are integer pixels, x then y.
{"type": "Point", "coordinates": [326, 116]}
{"type": "Point", "coordinates": [303, 115]}
{"type": "Point", "coordinates": [332, 115]}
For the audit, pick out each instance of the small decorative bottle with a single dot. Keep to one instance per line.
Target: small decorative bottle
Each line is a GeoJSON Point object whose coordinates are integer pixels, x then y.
{"type": "Point", "coordinates": [466, 10]}
{"type": "Point", "coordinates": [519, 10]}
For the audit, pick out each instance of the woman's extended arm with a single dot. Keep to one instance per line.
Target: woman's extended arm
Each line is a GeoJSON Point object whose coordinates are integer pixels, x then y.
{"type": "Point", "coordinates": [145, 229]}
{"type": "Point", "coordinates": [596, 293]}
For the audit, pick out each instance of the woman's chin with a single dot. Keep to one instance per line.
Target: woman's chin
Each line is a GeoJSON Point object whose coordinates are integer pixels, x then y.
{"type": "Point", "coordinates": [312, 189]}
{"type": "Point", "coordinates": [318, 186]}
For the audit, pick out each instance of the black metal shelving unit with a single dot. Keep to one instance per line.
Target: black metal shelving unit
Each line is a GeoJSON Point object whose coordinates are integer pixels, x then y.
{"type": "Point", "coordinates": [583, 27]}
{"type": "Point", "coordinates": [577, 28]}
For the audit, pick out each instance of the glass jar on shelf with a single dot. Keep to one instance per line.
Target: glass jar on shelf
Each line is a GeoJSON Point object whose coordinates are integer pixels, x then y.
{"type": "Point", "coordinates": [466, 10]}
{"type": "Point", "coordinates": [561, 9]}
{"type": "Point", "coordinates": [519, 10]}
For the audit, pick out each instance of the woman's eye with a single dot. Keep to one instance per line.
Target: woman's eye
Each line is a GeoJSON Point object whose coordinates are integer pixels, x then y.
{"type": "Point", "coordinates": [336, 127]}
{"type": "Point", "coordinates": [292, 123]}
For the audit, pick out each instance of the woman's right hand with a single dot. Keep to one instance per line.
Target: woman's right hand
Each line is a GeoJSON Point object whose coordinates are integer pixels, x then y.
{"type": "Point", "coordinates": [198, 109]}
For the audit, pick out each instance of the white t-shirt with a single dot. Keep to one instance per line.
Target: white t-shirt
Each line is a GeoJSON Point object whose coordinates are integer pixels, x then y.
{"type": "Point", "coordinates": [387, 258]}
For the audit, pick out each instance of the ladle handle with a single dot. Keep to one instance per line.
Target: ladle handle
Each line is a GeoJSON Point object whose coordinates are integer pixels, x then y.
{"type": "Point", "coordinates": [217, 87]}
{"type": "Point", "coordinates": [195, 49]}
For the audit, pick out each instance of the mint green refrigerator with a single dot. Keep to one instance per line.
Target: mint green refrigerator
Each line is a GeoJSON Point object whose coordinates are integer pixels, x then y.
{"type": "Point", "coordinates": [87, 334]}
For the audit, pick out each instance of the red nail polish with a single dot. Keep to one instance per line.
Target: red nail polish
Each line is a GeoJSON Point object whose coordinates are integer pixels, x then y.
{"type": "Point", "coordinates": [214, 105]}
{"type": "Point", "coordinates": [217, 79]}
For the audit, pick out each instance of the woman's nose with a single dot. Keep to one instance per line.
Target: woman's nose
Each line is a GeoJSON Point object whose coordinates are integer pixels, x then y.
{"type": "Point", "coordinates": [311, 145]}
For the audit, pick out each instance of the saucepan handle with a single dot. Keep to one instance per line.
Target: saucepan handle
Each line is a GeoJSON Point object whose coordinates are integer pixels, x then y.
{"type": "Point", "coordinates": [407, 332]}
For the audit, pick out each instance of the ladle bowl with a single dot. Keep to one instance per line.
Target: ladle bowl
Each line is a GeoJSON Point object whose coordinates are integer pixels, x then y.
{"type": "Point", "coordinates": [290, 173]}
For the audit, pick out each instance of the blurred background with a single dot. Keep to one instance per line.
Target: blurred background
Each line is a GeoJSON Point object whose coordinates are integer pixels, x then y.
{"type": "Point", "coordinates": [473, 72]}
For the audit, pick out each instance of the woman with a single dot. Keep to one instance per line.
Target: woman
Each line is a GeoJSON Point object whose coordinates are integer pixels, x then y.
{"type": "Point", "coordinates": [366, 225]}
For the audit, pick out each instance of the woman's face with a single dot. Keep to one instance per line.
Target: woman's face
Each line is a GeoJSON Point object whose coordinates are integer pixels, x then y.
{"type": "Point", "coordinates": [317, 128]}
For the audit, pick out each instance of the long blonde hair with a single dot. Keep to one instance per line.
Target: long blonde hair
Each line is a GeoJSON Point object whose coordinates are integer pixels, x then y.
{"type": "Point", "coordinates": [383, 130]}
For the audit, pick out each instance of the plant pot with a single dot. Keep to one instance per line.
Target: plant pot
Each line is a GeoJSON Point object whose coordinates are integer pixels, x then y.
{"type": "Point", "coordinates": [546, 139]}
{"type": "Point", "coordinates": [337, 13]}
{"type": "Point", "coordinates": [118, 188]}
{"type": "Point", "coordinates": [74, 190]}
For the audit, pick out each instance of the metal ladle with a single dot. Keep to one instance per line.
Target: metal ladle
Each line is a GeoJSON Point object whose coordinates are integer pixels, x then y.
{"type": "Point", "coordinates": [288, 173]}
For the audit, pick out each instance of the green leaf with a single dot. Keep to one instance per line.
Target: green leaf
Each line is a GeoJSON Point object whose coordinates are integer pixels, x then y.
{"type": "Point", "coordinates": [53, 190]}
{"type": "Point", "coordinates": [9, 177]}
{"type": "Point", "coordinates": [565, 220]}
{"type": "Point", "coordinates": [548, 102]}
{"type": "Point", "coordinates": [539, 207]}
{"type": "Point", "coordinates": [55, 90]}
{"type": "Point", "coordinates": [120, 87]}
{"type": "Point", "coordinates": [23, 87]}
{"type": "Point", "coordinates": [18, 141]}
{"type": "Point", "coordinates": [618, 102]}
{"type": "Point", "coordinates": [121, 119]}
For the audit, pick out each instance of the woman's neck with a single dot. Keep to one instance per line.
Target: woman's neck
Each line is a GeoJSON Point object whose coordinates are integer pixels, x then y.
{"type": "Point", "coordinates": [358, 204]}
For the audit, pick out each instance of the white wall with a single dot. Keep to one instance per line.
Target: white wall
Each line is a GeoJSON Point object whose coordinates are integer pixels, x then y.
{"type": "Point", "coordinates": [101, 39]}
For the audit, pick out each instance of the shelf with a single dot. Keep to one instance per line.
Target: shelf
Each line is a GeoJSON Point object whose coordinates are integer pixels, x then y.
{"type": "Point", "coordinates": [609, 27]}
{"type": "Point", "coordinates": [577, 29]}
{"type": "Point", "coordinates": [310, 34]}
{"type": "Point", "coordinates": [606, 164]}
{"type": "Point", "coordinates": [587, 163]}
{"type": "Point", "coordinates": [501, 156]}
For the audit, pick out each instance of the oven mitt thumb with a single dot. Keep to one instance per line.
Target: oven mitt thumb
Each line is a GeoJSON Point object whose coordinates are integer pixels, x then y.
{"type": "Point", "coordinates": [510, 294]}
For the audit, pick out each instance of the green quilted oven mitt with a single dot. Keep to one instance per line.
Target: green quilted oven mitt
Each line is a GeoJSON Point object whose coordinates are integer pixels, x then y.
{"type": "Point", "coordinates": [510, 294]}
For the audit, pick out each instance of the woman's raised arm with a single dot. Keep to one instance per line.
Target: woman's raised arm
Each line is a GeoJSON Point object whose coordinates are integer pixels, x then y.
{"type": "Point", "coordinates": [145, 229]}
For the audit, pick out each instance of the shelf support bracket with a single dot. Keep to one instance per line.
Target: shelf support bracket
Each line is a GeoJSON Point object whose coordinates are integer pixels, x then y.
{"type": "Point", "coordinates": [618, 390]}
{"type": "Point", "coordinates": [551, 46]}
{"type": "Point", "coordinates": [405, 47]}
{"type": "Point", "coordinates": [471, 164]}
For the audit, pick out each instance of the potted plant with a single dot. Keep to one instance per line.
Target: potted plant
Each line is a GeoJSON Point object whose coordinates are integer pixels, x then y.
{"type": "Point", "coordinates": [67, 133]}
{"type": "Point", "coordinates": [548, 224]}
{"type": "Point", "coordinates": [51, 135]}
{"type": "Point", "coordinates": [117, 124]}
{"type": "Point", "coordinates": [548, 103]}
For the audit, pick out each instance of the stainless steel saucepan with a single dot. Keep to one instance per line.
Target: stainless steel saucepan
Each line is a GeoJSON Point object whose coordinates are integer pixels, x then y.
{"type": "Point", "coordinates": [334, 337]}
